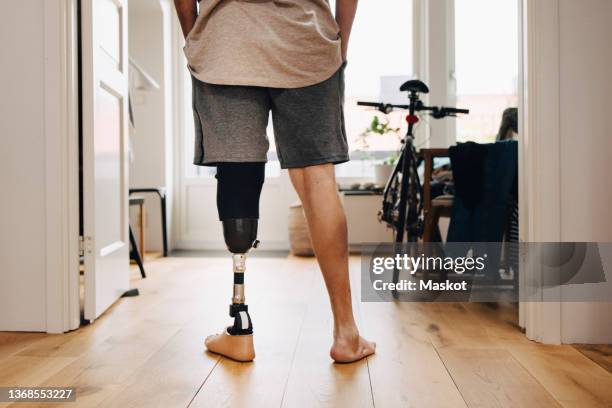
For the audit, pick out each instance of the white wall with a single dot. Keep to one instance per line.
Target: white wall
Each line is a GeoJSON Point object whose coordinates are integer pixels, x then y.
{"type": "Point", "coordinates": [585, 109]}
{"type": "Point", "coordinates": [586, 148]}
{"type": "Point", "coordinates": [39, 205]}
{"type": "Point", "coordinates": [22, 166]}
{"type": "Point", "coordinates": [152, 140]}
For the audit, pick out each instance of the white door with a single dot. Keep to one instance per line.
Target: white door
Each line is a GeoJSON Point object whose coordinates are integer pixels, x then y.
{"type": "Point", "coordinates": [105, 152]}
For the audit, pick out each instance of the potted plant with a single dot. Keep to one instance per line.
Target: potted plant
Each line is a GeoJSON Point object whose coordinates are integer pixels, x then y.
{"type": "Point", "coordinates": [382, 171]}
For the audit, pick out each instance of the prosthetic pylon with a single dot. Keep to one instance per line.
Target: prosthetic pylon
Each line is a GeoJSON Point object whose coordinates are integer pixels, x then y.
{"type": "Point", "coordinates": [240, 236]}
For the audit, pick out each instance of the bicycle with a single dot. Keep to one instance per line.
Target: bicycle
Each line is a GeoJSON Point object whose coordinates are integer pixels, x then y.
{"type": "Point", "coordinates": [402, 207]}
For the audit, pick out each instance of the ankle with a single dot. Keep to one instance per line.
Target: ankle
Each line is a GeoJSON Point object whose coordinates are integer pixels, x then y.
{"type": "Point", "coordinates": [347, 331]}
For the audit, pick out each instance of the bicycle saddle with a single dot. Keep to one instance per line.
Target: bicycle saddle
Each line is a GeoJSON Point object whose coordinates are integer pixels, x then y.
{"type": "Point", "coordinates": [414, 86]}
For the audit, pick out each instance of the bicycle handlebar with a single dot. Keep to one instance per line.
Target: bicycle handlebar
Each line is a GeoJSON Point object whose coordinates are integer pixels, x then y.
{"type": "Point", "coordinates": [443, 111]}
{"type": "Point", "coordinates": [373, 104]}
{"type": "Point", "coordinates": [455, 110]}
{"type": "Point", "coordinates": [382, 106]}
{"type": "Point", "coordinates": [437, 112]}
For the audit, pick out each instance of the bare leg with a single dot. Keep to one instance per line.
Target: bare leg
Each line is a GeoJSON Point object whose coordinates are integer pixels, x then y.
{"type": "Point", "coordinates": [316, 186]}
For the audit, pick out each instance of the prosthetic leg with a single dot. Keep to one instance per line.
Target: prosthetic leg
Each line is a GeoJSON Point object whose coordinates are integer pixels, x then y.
{"type": "Point", "coordinates": [240, 235]}
{"type": "Point", "coordinates": [238, 190]}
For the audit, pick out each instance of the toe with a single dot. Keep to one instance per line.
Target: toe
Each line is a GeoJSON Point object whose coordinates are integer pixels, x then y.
{"type": "Point", "coordinates": [209, 339]}
{"type": "Point", "coordinates": [369, 349]}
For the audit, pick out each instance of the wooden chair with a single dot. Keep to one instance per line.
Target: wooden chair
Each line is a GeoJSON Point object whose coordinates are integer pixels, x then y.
{"type": "Point", "coordinates": [135, 254]}
{"type": "Point", "coordinates": [441, 206]}
{"type": "Point", "coordinates": [161, 192]}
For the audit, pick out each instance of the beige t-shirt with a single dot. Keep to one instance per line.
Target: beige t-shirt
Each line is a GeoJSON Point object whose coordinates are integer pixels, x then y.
{"type": "Point", "coordinates": [271, 43]}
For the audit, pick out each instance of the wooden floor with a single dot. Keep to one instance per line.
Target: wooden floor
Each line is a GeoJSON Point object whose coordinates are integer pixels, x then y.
{"type": "Point", "coordinates": [147, 351]}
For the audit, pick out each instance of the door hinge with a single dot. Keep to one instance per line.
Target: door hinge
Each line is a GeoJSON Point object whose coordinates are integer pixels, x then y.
{"type": "Point", "coordinates": [84, 245]}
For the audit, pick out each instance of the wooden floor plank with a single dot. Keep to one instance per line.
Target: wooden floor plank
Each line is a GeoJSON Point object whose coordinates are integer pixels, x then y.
{"type": "Point", "coordinates": [451, 325]}
{"type": "Point", "coordinates": [23, 371]}
{"type": "Point", "coordinates": [277, 294]}
{"type": "Point", "coordinates": [170, 378]}
{"type": "Point", "coordinates": [29, 371]}
{"type": "Point", "coordinates": [587, 386]}
{"type": "Point", "coordinates": [314, 380]}
{"type": "Point", "coordinates": [499, 321]}
{"type": "Point", "coordinates": [14, 342]}
{"type": "Point", "coordinates": [573, 379]}
{"type": "Point", "coordinates": [406, 370]}
{"type": "Point", "coordinates": [599, 353]}
{"type": "Point", "coordinates": [101, 373]}
{"type": "Point", "coordinates": [489, 378]}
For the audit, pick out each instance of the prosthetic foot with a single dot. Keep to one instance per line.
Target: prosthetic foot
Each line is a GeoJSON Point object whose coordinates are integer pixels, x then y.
{"type": "Point", "coordinates": [239, 212]}
{"type": "Point", "coordinates": [236, 347]}
{"type": "Point", "coordinates": [236, 342]}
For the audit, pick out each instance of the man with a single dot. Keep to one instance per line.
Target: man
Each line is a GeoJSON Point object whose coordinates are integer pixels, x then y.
{"type": "Point", "coordinates": [247, 58]}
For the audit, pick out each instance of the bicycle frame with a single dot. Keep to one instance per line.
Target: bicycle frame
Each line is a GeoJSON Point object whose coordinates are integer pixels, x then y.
{"type": "Point", "coordinates": [408, 214]}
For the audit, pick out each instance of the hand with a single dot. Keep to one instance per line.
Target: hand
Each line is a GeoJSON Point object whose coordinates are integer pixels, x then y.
{"type": "Point", "coordinates": [187, 12]}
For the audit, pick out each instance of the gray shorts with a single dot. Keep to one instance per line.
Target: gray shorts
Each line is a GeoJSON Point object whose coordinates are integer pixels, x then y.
{"type": "Point", "coordinates": [231, 121]}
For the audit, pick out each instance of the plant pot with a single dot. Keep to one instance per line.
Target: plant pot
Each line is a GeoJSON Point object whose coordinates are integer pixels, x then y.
{"type": "Point", "coordinates": [382, 172]}
{"type": "Point", "coordinates": [299, 235]}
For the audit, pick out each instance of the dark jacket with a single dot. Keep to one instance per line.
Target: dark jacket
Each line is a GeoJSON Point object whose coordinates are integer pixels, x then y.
{"type": "Point", "coordinates": [485, 178]}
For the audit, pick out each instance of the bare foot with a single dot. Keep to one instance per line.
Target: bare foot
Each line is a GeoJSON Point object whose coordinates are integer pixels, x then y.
{"type": "Point", "coordinates": [351, 348]}
{"type": "Point", "coordinates": [237, 347]}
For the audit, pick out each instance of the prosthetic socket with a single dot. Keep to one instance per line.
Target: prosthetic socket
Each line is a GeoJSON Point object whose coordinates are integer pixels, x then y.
{"type": "Point", "coordinates": [238, 190]}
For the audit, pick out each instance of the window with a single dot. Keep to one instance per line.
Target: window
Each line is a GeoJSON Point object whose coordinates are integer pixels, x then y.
{"type": "Point", "coordinates": [379, 60]}
{"type": "Point", "coordinates": [486, 65]}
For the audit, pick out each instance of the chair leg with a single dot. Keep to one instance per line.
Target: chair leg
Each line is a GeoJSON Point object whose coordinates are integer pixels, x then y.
{"type": "Point", "coordinates": [437, 232]}
{"type": "Point", "coordinates": [431, 231]}
{"type": "Point", "coordinates": [162, 198]}
{"type": "Point", "coordinates": [135, 255]}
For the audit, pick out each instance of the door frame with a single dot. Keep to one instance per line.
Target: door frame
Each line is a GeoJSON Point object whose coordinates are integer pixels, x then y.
{"type": "Point", "coordinates": [539, 216]}
{"type": "Point", "coordinates": [61, 127]}
{"type": "Point", "coordinates": [539, 152]}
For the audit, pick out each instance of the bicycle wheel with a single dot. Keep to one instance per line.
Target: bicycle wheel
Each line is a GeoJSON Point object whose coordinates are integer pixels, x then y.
{"type": "Point", "coordinates": [402, 204]}
{"type": "Point", "coordinates": [414, 202]}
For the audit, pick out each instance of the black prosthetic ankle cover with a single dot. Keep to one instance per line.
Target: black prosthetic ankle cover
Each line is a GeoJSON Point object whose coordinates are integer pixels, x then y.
{"type": "Point", "coordinates": [238, 189]}
{"type": "Point", "coordinates": [242, 320]}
